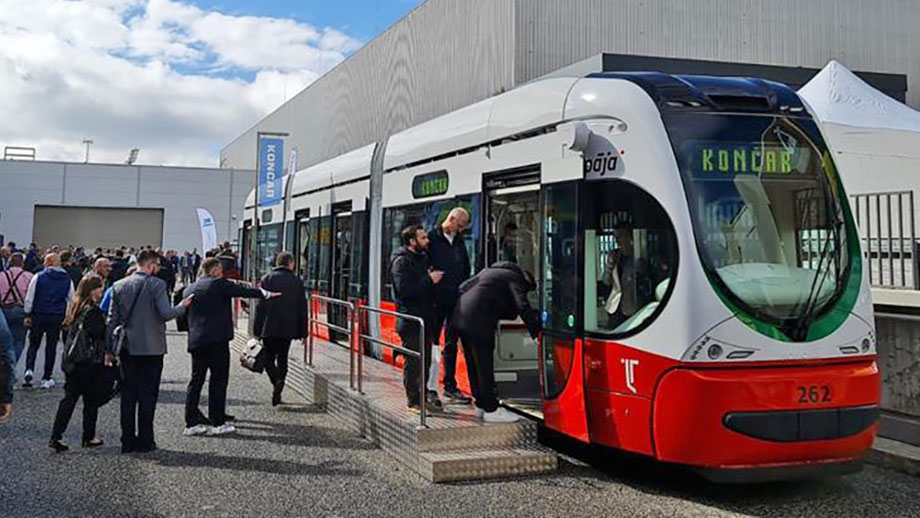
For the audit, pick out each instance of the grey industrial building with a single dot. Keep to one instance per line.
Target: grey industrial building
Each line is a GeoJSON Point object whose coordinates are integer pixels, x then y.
{"type": "Point", "coordinates": [60, 203]}
{"type": "Point", "coordinates": [447, 54]}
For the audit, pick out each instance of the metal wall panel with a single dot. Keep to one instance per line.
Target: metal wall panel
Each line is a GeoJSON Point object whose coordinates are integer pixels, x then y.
{"type": "Point", "coordinates": [872, 36]}
{"type": "Point", "coordinates": [444, 55]}
{"type": "Point", "coordinates": [176, 191]}
{"type": "Point", "coordinates": [97, 226]}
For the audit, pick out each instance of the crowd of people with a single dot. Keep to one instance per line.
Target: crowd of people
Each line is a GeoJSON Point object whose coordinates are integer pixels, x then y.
{"type": "Point", "coordinates": [111, 309]}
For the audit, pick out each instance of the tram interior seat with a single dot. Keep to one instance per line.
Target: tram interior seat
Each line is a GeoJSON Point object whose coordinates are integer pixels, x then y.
{"type": "Point", "coordinates": [646, 311]}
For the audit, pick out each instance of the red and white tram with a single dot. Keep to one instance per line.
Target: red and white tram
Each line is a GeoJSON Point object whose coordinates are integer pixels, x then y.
{"type": "Point", "coordinates": [699, 272]}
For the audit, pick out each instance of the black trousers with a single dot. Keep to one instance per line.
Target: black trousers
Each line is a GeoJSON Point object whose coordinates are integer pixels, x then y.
{"type": "Point", "coordinates": [213, 357]}
{"type": "Point", "coordinates": [276, 352]}
{"type": "Point", "coordinates": [79, 383]}
{"type": "Point", "coordinates": [444, 316]}
{"type": "Point", "coordinates": [49, 328]}
{"type": "Point", "coordinates": [140, 390]}
{"type": "Point", "coordinates": [480, 367]}
{"type": "Point", "coordinates": [412, 376]}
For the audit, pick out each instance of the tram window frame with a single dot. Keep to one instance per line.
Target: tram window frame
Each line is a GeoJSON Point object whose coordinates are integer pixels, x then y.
{"type": "Point", "coordinates": [392, 240]}
{"type": "Point", "coordinates": [589, 210]}
{"type": "Point", "coordinates": [428, 215]}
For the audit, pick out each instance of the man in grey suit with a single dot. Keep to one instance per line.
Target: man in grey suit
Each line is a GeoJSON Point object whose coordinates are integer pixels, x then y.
{"type": "Point", "coordinates": [141, 306]}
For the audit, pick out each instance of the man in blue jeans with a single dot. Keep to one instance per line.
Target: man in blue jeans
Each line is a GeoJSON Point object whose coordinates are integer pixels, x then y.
{"type": "Point", "coordinates": [46, 303]}
{"type": "Point", "coordinates": [6, 371]}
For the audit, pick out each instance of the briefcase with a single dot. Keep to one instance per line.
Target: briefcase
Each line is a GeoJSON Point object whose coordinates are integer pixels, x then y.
{"type": "Point", "coordinates": [252, 357]}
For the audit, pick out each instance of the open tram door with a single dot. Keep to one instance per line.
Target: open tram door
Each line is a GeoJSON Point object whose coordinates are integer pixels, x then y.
{"type": "Point", "coordinates": [511, 232]}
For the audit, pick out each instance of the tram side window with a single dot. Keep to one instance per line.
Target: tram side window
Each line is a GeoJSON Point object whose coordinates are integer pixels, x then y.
{"type": "Point", "coordinates": [325, 255]}
{"type": "Point", "coordinates": [630, 257]}
{"type": "Point", "coordinates": [437, 212]}
{"type": "Point", "coordinates": [394, 221]}
{"type": "Point", "coordinates": [270, 237]}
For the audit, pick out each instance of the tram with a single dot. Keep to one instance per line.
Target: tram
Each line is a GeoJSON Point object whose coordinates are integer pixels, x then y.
{"type": "Point", "coordinates": [699, 273]}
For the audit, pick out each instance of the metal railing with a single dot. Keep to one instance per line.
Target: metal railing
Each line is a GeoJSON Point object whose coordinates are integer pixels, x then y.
{"type": "Point", "coordinates": [330, 327]}
{"type": "Point", "coordinates": [420, 355]}
{"type": "Point", "coordinates": [888, 237]}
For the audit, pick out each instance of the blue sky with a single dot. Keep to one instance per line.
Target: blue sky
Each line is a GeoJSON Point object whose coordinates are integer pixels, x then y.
{"type": "Point", "coordinates": [361, 19]}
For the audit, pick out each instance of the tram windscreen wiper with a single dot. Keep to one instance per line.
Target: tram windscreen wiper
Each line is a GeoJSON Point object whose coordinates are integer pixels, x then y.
{"type": "Point", "coordinates": [811, 307]}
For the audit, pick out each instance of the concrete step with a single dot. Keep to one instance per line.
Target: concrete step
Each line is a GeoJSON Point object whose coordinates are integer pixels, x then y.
{"type": "Point", "coordinates": [480, 464]}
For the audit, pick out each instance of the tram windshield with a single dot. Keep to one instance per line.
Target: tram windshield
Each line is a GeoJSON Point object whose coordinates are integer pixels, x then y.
{"type": "Point", "coordinates": [767, 213]}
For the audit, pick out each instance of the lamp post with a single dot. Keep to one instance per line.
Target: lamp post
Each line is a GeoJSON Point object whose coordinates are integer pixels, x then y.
{"type": "Point", "coordinates": [87, 142]}
{"type": "Point", "coordinates": [256, 259]}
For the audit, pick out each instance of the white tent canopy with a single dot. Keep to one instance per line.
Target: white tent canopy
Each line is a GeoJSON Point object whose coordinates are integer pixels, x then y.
{"type": "Point", "coordinates": [839, 96]}
{"type": "Point", "coordinates": [876, 138]}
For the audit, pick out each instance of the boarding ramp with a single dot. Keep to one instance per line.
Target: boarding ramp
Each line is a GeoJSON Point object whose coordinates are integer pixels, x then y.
{"type": "Point", "coordinates": [368, 397]}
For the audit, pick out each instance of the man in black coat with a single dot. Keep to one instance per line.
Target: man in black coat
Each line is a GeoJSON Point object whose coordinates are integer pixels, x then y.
{"type": "Point", "coordinates": [496, 293]}
{"type": "Point", "coordinates": [447, 253]}
{"type": "Point", "coordinates": [280, 320]}
{"type": "Point", "coordinates": [414, 283]}
{"type": "Point", "coordinates": [210, 323]}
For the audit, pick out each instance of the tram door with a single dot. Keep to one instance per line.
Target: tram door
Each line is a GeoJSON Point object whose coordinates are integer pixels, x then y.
{"type": "Point", "coordinates": [302, 246]}
{"type": "Point", "coordinates": [341, 262]}
{"type": "Point", "coordinates": [512, 233]}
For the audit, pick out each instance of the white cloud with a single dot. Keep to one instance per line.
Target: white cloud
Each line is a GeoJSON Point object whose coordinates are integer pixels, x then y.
{"type": "Point", "coordinates": [175, 80]}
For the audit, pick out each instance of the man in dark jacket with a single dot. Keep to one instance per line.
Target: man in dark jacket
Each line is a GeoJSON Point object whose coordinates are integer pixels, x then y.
{"type": "Point", "coordinates": [210, 329]}
{"type": "Point", "coordinates": [119, 268]}
{"type": "Point", "coordinates": [45, 305]}
{"type": "Point", "coordinates": [73, 270]}
{"type": "Point", "coordinates": [496, 293]}
{"type": "Point", "coordinates": [415, 284]}
{"type": "Point", "coordinates": [447, 253]}
{"type": "Point", "coordinates": [280, 320]}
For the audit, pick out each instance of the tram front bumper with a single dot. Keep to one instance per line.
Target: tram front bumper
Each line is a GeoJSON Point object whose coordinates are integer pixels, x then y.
{"type": "Point", "coordinates": [747, 418]}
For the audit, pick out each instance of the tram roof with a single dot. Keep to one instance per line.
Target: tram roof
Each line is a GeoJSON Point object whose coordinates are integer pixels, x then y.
{"type": "Point", "coordinates": [541, 104]}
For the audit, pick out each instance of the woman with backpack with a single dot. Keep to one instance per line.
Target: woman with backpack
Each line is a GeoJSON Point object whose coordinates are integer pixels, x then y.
{"type": "Point", "coordinates": [83, 359]}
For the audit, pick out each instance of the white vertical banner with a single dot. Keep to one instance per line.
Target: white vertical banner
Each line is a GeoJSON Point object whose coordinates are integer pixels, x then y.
{"type": "Point", "coordinates": [208, 230]}
{"type": "Point", "coordinates": [292, 163]}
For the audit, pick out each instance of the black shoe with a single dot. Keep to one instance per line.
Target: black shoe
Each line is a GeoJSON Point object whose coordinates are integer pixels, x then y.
{"type": "Point", "coordinates": [58, 446]}
{"type": "Point", "coordinates": [457, 397]}
{"type": "Point", "coordinates": [434, 404]}
{"type": "Point", "coordinates": [93, 443]}
{"type": "Point", "coordinates": [147, 448]}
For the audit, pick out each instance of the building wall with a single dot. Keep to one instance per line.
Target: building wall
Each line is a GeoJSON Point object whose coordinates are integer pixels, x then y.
{"type": "Point", "coordinates": [178, 191]}
{"type": "Point", "coordinates": [871, 36]}
{"type": "Point", "coordinates": [447, 54]}
{"type": "Point", "coordinates": [444, 55]}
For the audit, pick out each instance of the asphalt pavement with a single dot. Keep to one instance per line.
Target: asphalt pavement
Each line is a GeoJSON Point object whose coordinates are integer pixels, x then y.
{"type": "Point", "coordinates": [295, 460]}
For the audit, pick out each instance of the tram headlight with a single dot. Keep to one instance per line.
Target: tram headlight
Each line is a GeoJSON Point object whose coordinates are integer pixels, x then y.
{"type": "Point", "coordinates": [714, 351]}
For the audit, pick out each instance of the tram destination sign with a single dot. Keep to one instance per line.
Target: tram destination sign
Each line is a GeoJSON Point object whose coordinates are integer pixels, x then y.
{"type": "Point", "coordinates": [430, 184]}
{"type": "Point", "coordinates": [725, 159]}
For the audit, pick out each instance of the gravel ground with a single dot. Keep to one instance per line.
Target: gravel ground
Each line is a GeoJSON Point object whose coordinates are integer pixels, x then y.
{"type": "Point", "coordinates": [297, 461]}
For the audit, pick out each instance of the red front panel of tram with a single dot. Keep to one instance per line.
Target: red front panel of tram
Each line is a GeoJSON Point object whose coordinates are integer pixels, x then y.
{"type": "Point", "coordinates": [690, 407]}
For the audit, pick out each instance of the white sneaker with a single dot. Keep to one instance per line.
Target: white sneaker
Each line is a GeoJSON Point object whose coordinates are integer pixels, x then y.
{"type": "Point", "coordinates": [199, 429]}
{"type": "Point", "coordinates": [222, 429]}
{"type": "Point", "coordinates": [500, 416]}
{"type": "Point", "coordinates": [27, 380]}
{"type": "Point", "coordinates": [48, 384]}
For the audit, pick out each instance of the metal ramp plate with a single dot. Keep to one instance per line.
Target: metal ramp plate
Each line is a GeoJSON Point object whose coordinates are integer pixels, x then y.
{"type": "Point", "coordinates": [454, 447]}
